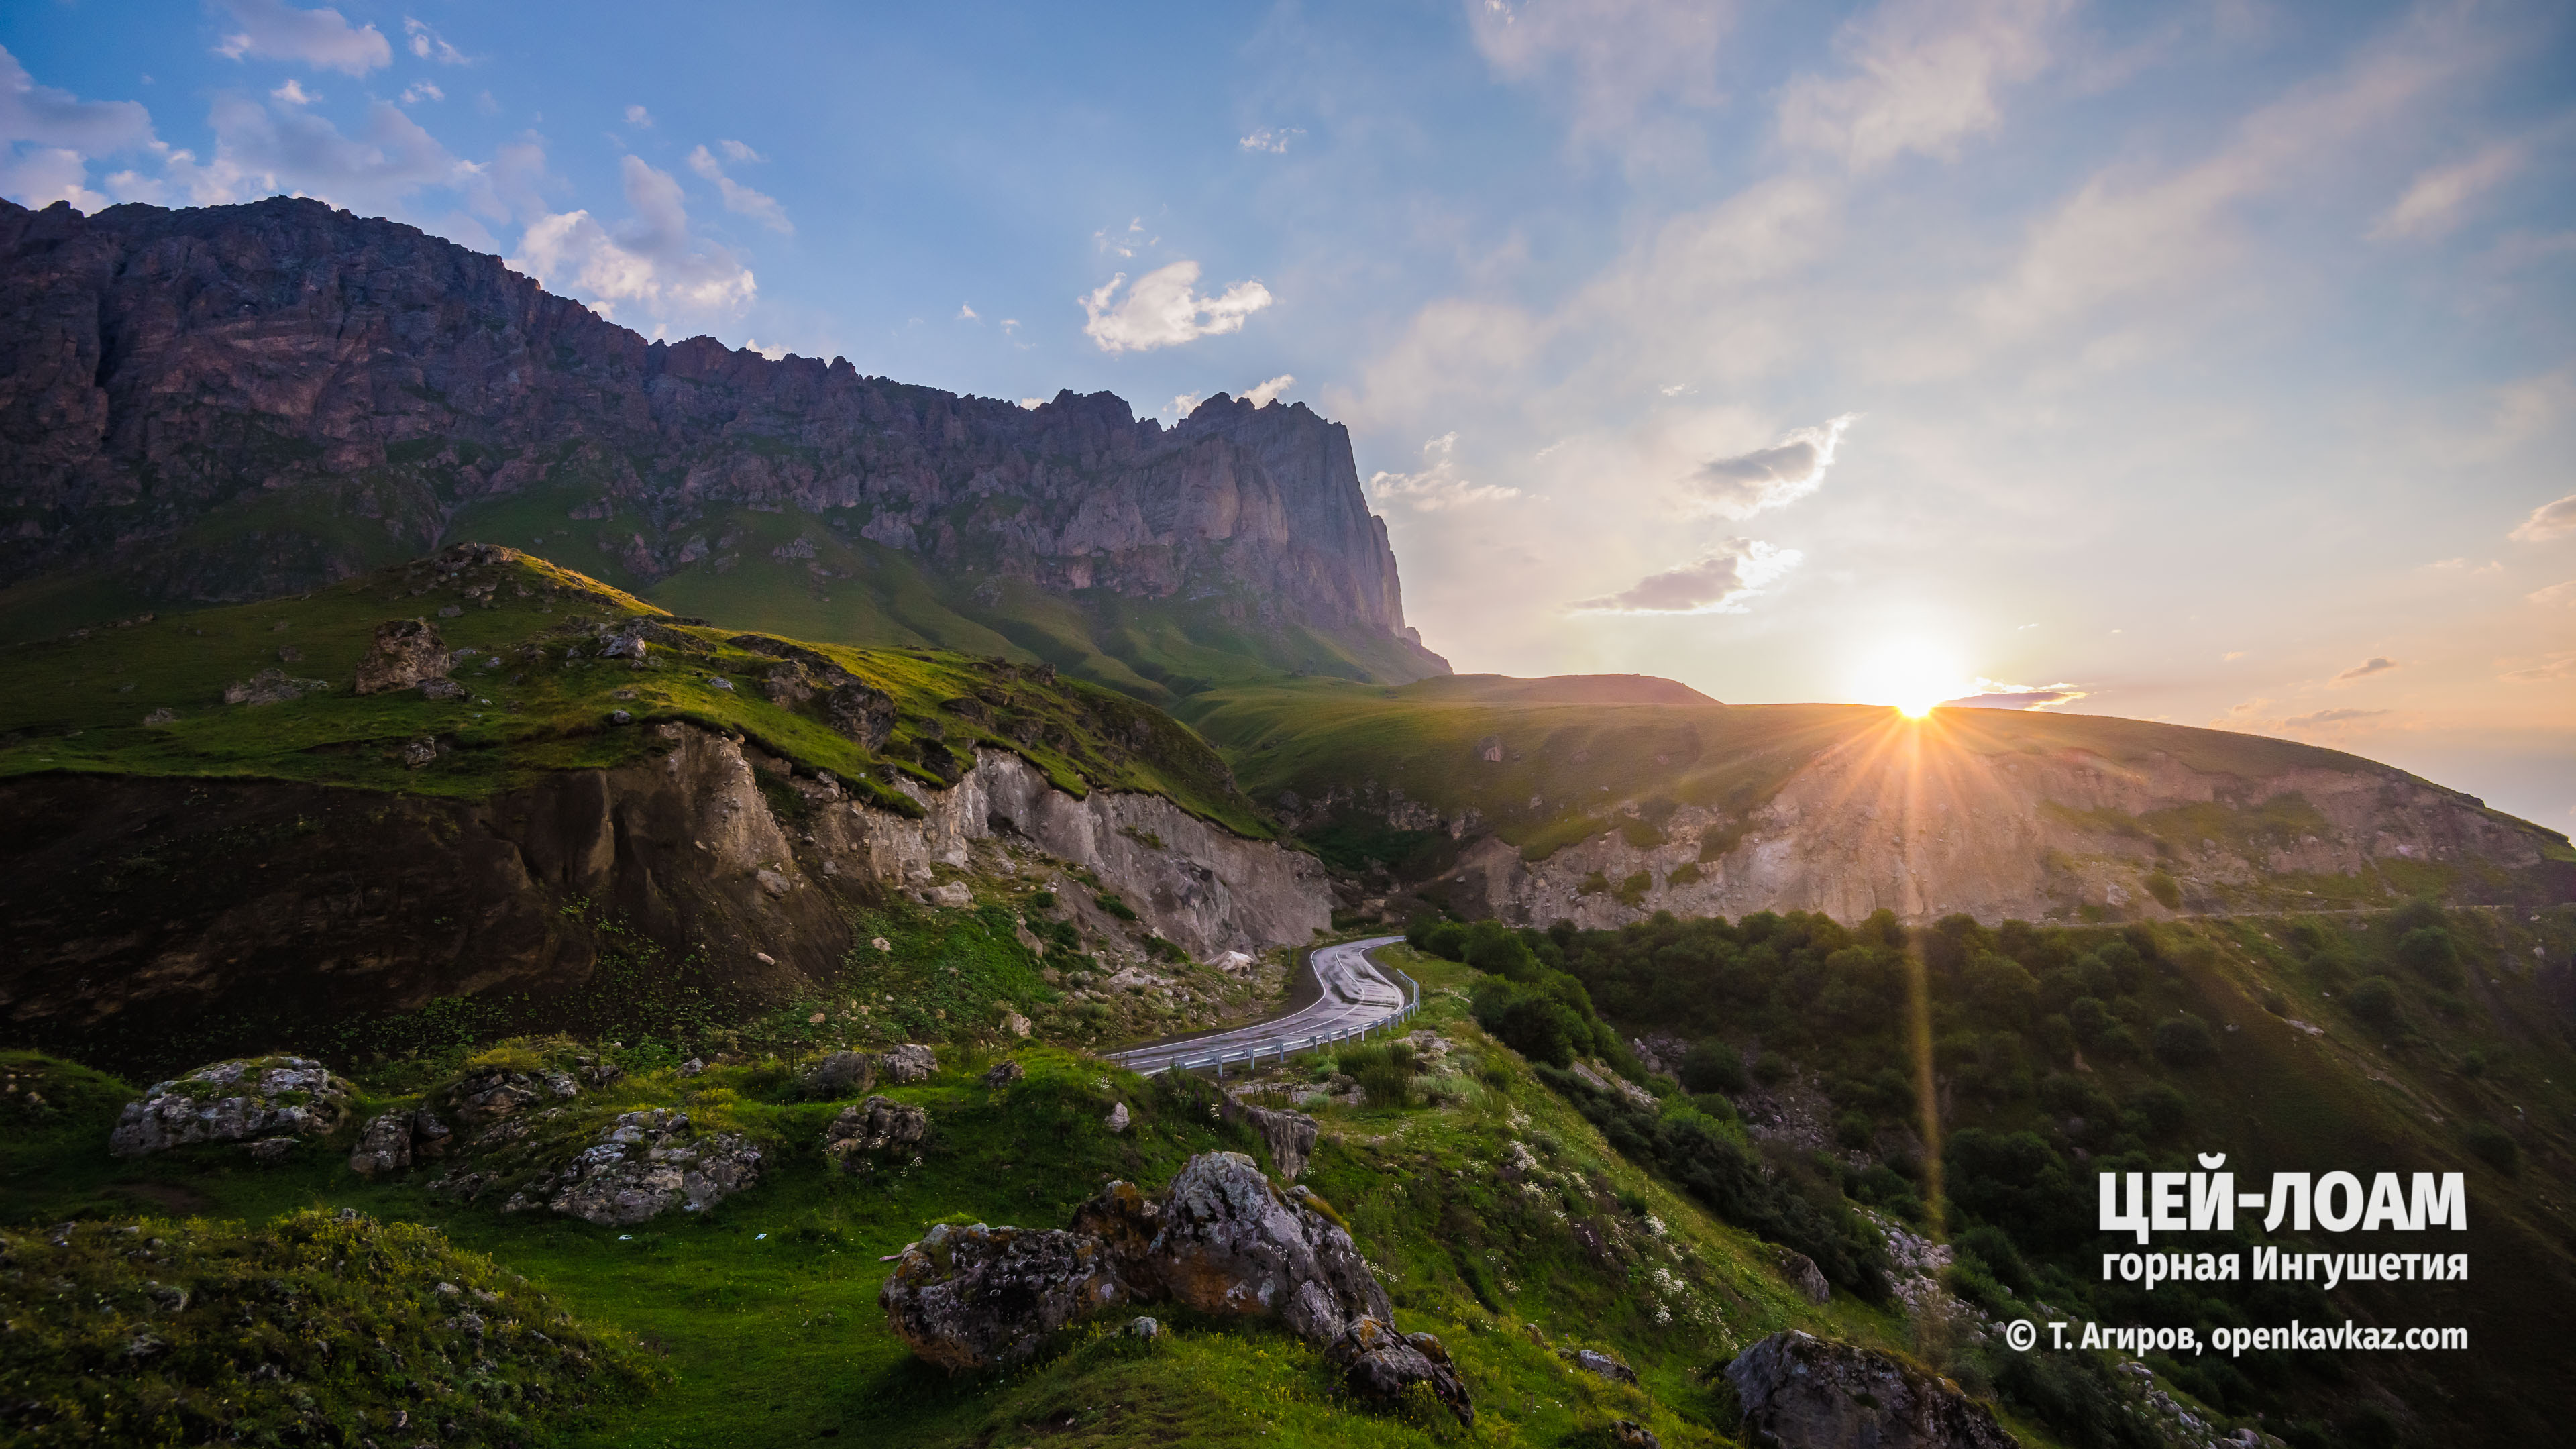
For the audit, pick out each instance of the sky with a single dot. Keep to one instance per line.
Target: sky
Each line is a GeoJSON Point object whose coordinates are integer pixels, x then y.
{"type": "Point", "coordinates": [2202, 362]}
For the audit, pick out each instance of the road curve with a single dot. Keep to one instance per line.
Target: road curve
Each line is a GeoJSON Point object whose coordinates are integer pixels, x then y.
{"type": "Point", "coordinates": [1355, 995]}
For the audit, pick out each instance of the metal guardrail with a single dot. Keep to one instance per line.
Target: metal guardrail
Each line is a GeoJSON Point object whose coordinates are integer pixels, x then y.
{"type": "Point", "coordinates": [1280, 1048]}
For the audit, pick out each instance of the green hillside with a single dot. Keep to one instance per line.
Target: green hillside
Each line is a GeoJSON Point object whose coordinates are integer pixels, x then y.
{"type": "Point", "coordinates": [540, 697]}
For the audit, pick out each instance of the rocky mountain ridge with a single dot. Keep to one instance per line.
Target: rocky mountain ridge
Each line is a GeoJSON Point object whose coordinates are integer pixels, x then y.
{"type": "Point", "coordinates": [234, 402]}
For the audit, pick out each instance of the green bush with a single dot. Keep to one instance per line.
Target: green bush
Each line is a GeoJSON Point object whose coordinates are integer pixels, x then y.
{"type": "Point", "coordinates": [1116, 907]}
{"type": "Point", "coordinates": [2375, 1001]}
{"type": "Point", "coordinates": [2166, 890]}
{"type": "Point", "coordinates": [1854, 1130]}
{"type": "Point", "coordinates": [2430, 952]}
{"type": "Point", "coordinates": [2494, 1146]}
{"type": "Point", "coordinates": [1713, 1066]}
{"type": "Point", "coordinates": [2185, 1042]}
{"type": "Point", "coordinates": [2158, 1110]}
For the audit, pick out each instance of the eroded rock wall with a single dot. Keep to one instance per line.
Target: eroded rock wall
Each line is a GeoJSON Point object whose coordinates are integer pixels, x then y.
{"type": "Point", "coordinates": [2007, 836]}
{"type": "Point", "coordinates": [143, 908]}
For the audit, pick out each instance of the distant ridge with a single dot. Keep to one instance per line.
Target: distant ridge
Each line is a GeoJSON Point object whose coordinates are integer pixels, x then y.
{"type": "Point", "coordinates": [1558, 689]}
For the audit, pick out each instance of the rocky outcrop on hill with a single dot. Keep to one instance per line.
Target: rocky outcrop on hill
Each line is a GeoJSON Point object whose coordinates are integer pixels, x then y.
{"type": "Point", "coordinates": [2023, 834]}
{"type": "Point", "coordinates": [1804, 1392]}
{"type": "Point", "coordinates": [235, 1101]}
{"type": "Point", "coordinates": [1223, 1240]}
{"type": "Point", "coordinates": [161, 370]}
{"type": "Point", "coordinates": [362, 903]}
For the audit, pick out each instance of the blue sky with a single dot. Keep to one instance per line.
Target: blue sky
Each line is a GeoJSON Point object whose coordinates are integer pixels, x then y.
{"type": "Point", "coordinates": [2204, 362]}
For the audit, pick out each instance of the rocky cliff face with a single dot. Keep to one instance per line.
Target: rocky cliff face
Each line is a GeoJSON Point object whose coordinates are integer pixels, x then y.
{"type": "Point", "coordinates": [140, 903]}
{"type": "Point", "coordinates": [2028, 836]}
{"type": "Point", "coordinates": [234, 402]}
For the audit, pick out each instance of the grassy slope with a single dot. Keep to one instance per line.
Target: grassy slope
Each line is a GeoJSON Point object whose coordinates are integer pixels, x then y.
{"type": "Point", "coordinates": [1312, 735]}
{"type": "Point", "coordinates": [78, 703]}
{"type": "Point", "coordinates": [766, 1306]}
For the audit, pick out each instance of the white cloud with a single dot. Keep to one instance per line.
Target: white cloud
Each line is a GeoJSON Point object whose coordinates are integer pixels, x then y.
{"type": "Point", "coordinates": [2550, 520]}
{"type": "Point", "coordinates": [2555, 594]}
{"type": "Point", "coordinates": [1996, 694]}
{"type": "Point", "coordinates": [1183, 405]}
{"type": "Point", "coordinates": [42, 175]}
{"type": "Point", "coordinates": [429, 45]}
{"type": "Point", "coordinates": [648, 264]}
{"type": "Point", "coordinates": [638, 116]}
{"type": "Point", "coordinates": [2553, 666]}
{"type": "Point", "coordinates": [1772, 477]}
{"type": "Point", "coordinates": [1125, 243]}
{"type": "Point", "coordinates": [1612, 59]}
{"type": "Point", "coordinates": [322, 39]}
{"type": "Point", "coordinates": [419, 91]}
{"type": "Point", "coordinates": [2439, 197]}
{"type": "Point", "coordinates": [966, 313]}
{"type": "Point", "coordinates": [1720, 581]}
{"type": "Point", "coordinates": [1033, 403]}
{"type": "Point", "coordinates": [261, 151]}
{"type": "Point", "coordinates": [293, 94]}
{"type": "Point", "coordinates": [2326, 717]}
{"type": "Point", "coordinates": [2376, 664]}
{"type": "Point", "coordinates": [1164, 310]}
{"type": "Point", "coordinates": [740, 199]}
{"type": "Point", "coordinates": [1436, 485]}
{"type": "Point", "coordinates": [1273, 141]}
{"type": "Point", "coordinates": [737, 152]}
{"type": "Point", "coordinates": [1263, 394]}
{"type": "Point", "coordinates": [1923, 78]}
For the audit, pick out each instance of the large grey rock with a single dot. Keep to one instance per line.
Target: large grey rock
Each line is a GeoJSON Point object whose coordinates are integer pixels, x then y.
{"type": "Point", "coordinates": [875, 1125]}
{"type": "Point", "coordinates": [910, 1062]}
{"type": "Point", "coordinates": [839, 1074]}
{"type": "Point", "coordinates": [1381, 1364]}
{"type": "Point", "coordinates": [490, 1096]}
{"type": "Point", "coordinates": [1231, 1242]}
{"type": "Point", "coordinates": [232, 1101]}
{"type": "Point", "coordinates": [1290, 1136]}
{"type": "Point", "coordinates": [647, 1163]}
{"type": "Point", "coordinates": [977, 1296]}
{"type": "Point", "coordinates": [272, 686]}
{"type": "Point", "coordinates": [406, 652]}
{"type": "Point", "coordinates": [1804, 1392]}
{"type": "Point", "coordinates": [393, 1141]}
{"type": "Point", "coordinates": [1804, 1275]}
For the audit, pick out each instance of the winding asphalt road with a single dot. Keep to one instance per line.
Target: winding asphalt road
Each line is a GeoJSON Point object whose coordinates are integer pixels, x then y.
{"type": "Point", "coordinates": [1355, 995]}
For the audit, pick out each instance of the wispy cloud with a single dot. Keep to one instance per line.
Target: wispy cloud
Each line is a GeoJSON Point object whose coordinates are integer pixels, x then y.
{"type": "Point", "coordinates": [738, 198]}
{"type": "Point", "coordinates": [649, 264]}
{"type": "Point", "coordinates": [2378, 664]}
{"type": "Point", "coordinates": [1263, 394]}
{"type": "Point", "coordinates": [1164, 309]}
{"type": "Point", "coordinates": [2442, 196]}
{"type": "Point", "coordinates": [1746, 483]}
{"type": "Point", "coordinates": [1719, 581]}
{"type": "Point", "coordinates": [1437, 484]}
{"type": "Point", "coordinates": [1996, 694]}
{"type": "Point", "coordinates": [2326, 717]}
{"type": "Point", "coordinates": [2550, 520]}
{"type": "Point", "coordinates": [322, 38]}
{"type": "Point", "coordinates": [429, 45]}
{"type": "Point", "coordinates": [1274, 141]}
{"type": "Point", "coordinates": [1921, 77]}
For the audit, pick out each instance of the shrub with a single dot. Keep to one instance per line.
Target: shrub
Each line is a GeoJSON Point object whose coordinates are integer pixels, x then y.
{"type": "Point", "coordinates": [2474, 1065]}
{"type": "Point", "coordinates": [2494, 1146]}
{"type": "Point", "coordinates": [1993, 1248]}
{"type": "Point", "coordinates": [1492, 946]}
{"type": "Point", "coordinates": [2332, 966]}
{"type": "Point", "coordinates": [2430, 952]}
{"type": "Point", "coordinates": [2185, 1042]}
{"type": "Point", "coordinates": [1041, 900]}
{"type": "Point", "coordinates": [2375, 1001]}
{"type": "Point", "coordinates": [2159, 1110]}
{"type": "Point", "coordinates": [1715, 1105]}
{"type": "Point", "coordinates": [2166, 890]}
{"type": "Point", "coordinates": [1713, 1066]}
{"type": "Point", "coordinates": [2306, 938]}
{"type": "Point", "coordinates": [1854, 1130]}
{"type": "Point", "coordinates": [1117, 907]}
{"type": "Point", "coordinates": [1384, 1084]}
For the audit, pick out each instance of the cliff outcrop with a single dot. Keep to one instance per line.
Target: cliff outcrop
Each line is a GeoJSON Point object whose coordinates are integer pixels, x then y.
{"type": "Point", "coordinates": [233, 402]}
{"type": "Point", "coordinates": [144, 906]}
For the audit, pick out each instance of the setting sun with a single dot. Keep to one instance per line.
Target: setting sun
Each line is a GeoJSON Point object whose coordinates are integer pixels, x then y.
{"type": "Point", "coordinates": [1913, 677]}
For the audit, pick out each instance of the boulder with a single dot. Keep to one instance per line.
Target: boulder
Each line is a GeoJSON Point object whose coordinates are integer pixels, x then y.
{"type": "Point", "coordinates": [492, 1095]}
{"type": "Point", "coordinates": [874, 1126]}
{"type": "Point", "coordinates": [646, 1163]}
{"type": "Point", "coordinates": [232, 1101]}
{"type": "Point", "coordinates": [862, 714]}
{"type": "Point", "coordinates": [1381, 1364]}
{"type": "Point", "coordinates": [1629, 1434]}
{"type": "Point", "coordinates": [1804, 1275]}
{"type": "Point", "coordinates": [393, 1141]}
{"type": "Point", "coordinates": [1290, 1136]}
{"type": "Point", "coordinates": [839, 1074]}
{"type": "Point", "coordinates": [1232, 1242]}
{"type": "Point", "coordinates": [272, 686]}
{"type": "Point", "coordinates": [910, 1062]}
{"type": "Point", "coordinates": [1005, 1074]}
{"type": "Point", "coordinates": [1804, 1392]}
{"type": "Point", "coordinates": [1592, 1361]}
{"type": "Point", "coordinates": [406, 652]}
{"type": "Point", "coordinates": [1116, 1121]}
{"type": "Point", "coordinates": [978, 1297]}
